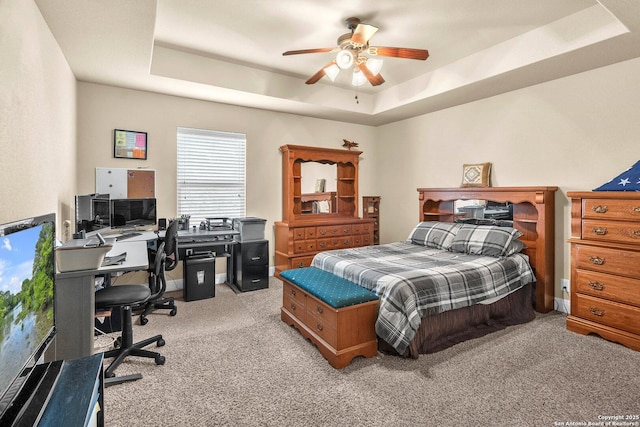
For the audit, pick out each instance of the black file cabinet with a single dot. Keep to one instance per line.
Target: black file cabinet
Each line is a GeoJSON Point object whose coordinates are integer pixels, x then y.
{"type": "Point", "coordinates": [252, 265]}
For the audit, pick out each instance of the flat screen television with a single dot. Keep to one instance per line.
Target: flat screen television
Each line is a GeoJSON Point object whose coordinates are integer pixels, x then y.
{"type": "Point", "coordinates": [133, 213]}
{"type": "Point", "coordinates": [27, 318]}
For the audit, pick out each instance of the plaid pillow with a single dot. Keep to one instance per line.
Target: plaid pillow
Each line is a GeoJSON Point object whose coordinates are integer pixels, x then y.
{"type": "Point", "coordinates": [487, 240]}
{"type": "Point", "coordinates": [433, 234]}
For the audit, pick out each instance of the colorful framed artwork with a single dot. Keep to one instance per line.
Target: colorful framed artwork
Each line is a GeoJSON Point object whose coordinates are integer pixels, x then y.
{"type": "Point", "coordinates": [129, 144]}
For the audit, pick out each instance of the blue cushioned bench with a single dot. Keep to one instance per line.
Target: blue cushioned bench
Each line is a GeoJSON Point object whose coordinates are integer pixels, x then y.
{"type": "Point", "coordinates": [332, 289]}
{"type": "Point", "coordinates": [337, 315]}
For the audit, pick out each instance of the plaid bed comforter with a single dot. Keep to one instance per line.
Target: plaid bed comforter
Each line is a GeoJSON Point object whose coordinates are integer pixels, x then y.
{"type": "Point", "coordinates": [414, 281]}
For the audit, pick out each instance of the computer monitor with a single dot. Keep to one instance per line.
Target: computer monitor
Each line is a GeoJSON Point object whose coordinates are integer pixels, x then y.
{"type": "Point", "coordinates": [133, 213]}
{"type": "Point", "coordinates": [92, 212]}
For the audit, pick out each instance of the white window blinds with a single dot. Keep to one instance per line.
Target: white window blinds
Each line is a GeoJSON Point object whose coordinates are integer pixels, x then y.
{"type": "Point", "coordinates": [211, 174]}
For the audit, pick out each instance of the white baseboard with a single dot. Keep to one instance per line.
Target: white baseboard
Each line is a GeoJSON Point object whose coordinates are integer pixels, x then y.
{"type": "Point", "coordinates": [562, 305]}
{"type": "Point", "coordinates": [176, 284]}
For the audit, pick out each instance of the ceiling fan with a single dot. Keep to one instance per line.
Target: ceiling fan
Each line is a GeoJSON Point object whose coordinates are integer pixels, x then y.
{"type": "Point", "coordinates": [352, 51]}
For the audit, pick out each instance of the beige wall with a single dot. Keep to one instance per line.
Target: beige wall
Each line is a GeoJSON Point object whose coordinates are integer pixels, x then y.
{"type": "Point", "coordinates": [37, 118]}
{"type": "Point", "coordinates": [575, 133]}
{"type": "Point", "coordinates": [103, 108]}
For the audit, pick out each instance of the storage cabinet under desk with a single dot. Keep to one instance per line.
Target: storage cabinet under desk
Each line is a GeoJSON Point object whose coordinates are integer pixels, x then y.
{"type": "Point", "coordinates": [605, 266]}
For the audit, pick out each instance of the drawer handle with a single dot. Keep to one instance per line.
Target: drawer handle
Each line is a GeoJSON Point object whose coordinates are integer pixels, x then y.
{"type": "Point", "coordinates": [636, 233]}
{"type": "Point", "coordinates": [600, 209]}
{"type": "Point", "coordinates": [255, 258]}
{"type": "Point", "coordinates": [293, 292]}
{"type": "Point", "coordinates": [319, 327]}
{"type": "Point", "coordinates": [255, 280]}
{"type": "Point", "coordinates": [323, 244]}
{"type": "Point", "coordinates": [346, 241]}
{"type": "Point", "coordinates": [596, 311]}
{"type": "Point", "coordinates": [596, 286]}
{"type": "Point", "coordinates": [600, 231]}
{"type": "Point", "coordinates": [293, 307]}
{"type": "Point", "coordinates": [319, 309]}
{"type": "Point", "coordinates": [636, 209]}
{"type": "Point", "coordinates": [300, 264]}
{"type": "Point", "coordinates": [323, 232]}
{"type": "Point", "coordinates": [345, 230]}
{"type": "Point", "coordinates": [596, 260]}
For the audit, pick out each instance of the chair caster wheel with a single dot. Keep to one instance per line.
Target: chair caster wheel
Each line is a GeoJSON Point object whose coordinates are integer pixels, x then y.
{"type": "Point", "coordinates": [143, 320]}
{"type": "Point", "coordinates": [173, 312]}
{"type": "Point", "coordinates": [159, 360]}
{"type": "Point", "coordinates": [117, 343]}
{"type": "Point", "coordinates": [160, 342]}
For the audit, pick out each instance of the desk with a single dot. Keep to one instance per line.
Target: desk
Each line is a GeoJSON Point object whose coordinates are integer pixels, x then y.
{"type": "Point", "coordinates": [75, 299]}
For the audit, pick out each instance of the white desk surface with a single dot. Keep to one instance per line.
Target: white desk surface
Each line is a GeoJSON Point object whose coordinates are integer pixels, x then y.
{"type": "Point", "coordinates": [137, 259]}
{"type": "Point", "coordinates": [145, 235]}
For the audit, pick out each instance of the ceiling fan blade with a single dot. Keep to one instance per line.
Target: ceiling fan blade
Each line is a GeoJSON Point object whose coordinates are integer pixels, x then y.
{"type": "Point", "coordinates": [399, 52]}
{"type": "Point", "coordinates": [298, 52]}
{"type": "Point", "coordinates": [374, 80]}
{"type": "Point", "coordinates": [320, 74]}
{"type": "Point", "coordinates": [362, 34]}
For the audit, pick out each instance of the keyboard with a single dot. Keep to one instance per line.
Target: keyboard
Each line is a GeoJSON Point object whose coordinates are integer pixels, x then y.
{"type": "Point", "coordinates": [127, 236]}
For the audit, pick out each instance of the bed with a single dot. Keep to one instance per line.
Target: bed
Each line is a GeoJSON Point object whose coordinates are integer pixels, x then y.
{"type": "Point", "coordinates": [450, 282]}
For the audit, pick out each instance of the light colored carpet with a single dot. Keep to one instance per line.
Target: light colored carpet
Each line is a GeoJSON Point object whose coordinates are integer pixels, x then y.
{"type": "Point", "coordinates": [232, 361]}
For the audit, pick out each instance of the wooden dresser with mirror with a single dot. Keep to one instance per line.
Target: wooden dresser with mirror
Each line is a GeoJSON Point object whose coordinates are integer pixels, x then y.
{"type": "Point", "coordinates": [304, 231]}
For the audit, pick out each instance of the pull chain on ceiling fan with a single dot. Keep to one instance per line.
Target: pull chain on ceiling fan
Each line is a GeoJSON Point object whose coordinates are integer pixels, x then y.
{"type": "Point", "coordinates": [352, 51]}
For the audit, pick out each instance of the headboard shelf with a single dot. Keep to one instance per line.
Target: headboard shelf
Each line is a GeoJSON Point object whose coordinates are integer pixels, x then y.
{"type": "Point", "coordinates": [533, 215]}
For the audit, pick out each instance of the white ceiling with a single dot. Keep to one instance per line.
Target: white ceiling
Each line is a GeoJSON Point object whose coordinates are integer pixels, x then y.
{"type": "Point", "coordinates": [230, 51]}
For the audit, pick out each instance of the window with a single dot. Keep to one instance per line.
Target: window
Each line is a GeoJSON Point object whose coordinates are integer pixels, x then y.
{"type": "Point", "coordinates": [211, 174]}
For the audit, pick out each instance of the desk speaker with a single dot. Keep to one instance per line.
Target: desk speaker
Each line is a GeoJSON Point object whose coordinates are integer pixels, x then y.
{"type": "Point", "coordinates": [162, 223]}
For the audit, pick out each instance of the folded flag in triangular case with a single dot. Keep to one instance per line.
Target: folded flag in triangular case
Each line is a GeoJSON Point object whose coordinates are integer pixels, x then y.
{"type": "Point", "coordinates": [628, 180]}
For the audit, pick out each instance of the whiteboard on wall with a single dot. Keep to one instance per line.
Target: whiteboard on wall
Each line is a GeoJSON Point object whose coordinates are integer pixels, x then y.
{"type": "Point", "coordinates": [122, 183]}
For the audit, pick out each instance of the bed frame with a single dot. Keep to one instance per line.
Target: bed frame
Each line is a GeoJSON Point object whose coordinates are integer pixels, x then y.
{"type": "Point", "coordinates": [533, 215]}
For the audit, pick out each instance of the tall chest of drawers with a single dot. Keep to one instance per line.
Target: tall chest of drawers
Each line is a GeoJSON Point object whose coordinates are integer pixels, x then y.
{"type": "Point", "coordinates": [605, 265]}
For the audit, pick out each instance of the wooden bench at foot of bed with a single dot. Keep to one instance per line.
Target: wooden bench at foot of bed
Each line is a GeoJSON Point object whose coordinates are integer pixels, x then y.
{"type": "Point", "coordinates": [337, 315]}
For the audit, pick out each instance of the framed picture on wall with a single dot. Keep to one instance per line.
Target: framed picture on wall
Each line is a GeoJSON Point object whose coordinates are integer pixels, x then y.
{"type": "Point", "coordinates": [129, 144]}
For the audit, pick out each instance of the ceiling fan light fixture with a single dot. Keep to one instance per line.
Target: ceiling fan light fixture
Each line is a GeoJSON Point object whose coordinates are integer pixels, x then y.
{"type": "Point", "coordinates": [332, 72]}
{"type": "Point", "coordinates": [344, 59]}
{"type": "Point", "coordinates": [374, 65]}
{"type": "Point", "coordinates": [358, 78]}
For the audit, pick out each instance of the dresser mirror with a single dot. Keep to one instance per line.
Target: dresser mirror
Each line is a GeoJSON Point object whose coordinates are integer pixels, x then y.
{"type": "Point", "coordinates": [319, 183]}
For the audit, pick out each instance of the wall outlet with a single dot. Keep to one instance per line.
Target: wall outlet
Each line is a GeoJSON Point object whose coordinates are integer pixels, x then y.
{"type": "Point", "coordinates": [565, 285]}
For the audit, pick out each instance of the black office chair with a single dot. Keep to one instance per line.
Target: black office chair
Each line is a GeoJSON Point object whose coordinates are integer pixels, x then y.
{"type": "Point", "coordinates": [171, 245]}
{"type": "Point", "coordinates": [125, 297]}
{"type": "Point", "coordinates": [158, 300]}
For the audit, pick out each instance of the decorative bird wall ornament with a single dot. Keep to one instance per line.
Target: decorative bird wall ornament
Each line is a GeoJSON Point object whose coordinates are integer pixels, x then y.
{"type": "Point", "coordinates": [349, 144]}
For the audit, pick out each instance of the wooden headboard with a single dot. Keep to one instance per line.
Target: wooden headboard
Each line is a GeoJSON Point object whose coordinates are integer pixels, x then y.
{"type": "Point", "coordinates": [533, 215]}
